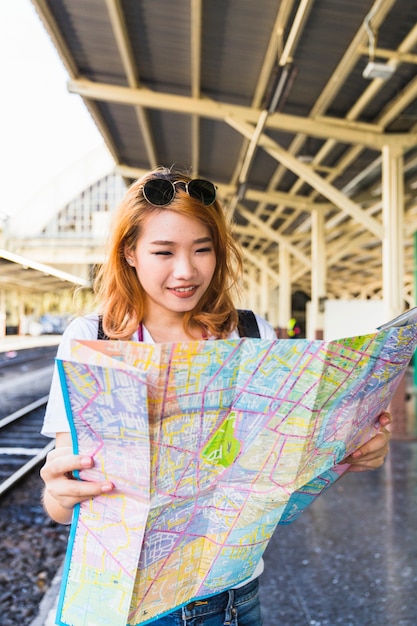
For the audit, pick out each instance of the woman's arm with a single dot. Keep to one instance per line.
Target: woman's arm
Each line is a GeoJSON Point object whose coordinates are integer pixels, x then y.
{"type": "Point", "coordinates": [62, 492]}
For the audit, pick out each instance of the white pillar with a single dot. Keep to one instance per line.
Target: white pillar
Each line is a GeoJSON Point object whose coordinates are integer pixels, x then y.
{"type": "Point", "coordinates": [284, 310]}
{"type": "Point", "coordinates": [318, 276]}
{"type": "Point", "coordinates": [2, 313]}
{"type": "Point", "coordinates": [264, 291]}
{"type": "Point", "coordinates": [252, 292]}
{"type": "Point", "coordinates": [393, 238]}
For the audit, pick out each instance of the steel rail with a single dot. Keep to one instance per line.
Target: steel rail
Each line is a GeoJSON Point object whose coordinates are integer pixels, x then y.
{"type": "Point", "coordinates": [37, 454]}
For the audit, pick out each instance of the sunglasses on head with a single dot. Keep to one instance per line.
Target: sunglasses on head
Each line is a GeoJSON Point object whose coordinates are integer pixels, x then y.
{"type": "Point", "coordinates": [161, 191]}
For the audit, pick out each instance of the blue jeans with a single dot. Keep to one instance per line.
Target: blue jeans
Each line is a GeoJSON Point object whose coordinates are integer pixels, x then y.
{"type": "Point", "coordinates": [236, 607]}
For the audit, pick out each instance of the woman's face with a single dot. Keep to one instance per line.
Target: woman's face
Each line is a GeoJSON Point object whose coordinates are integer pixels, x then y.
{"type": "Point", "coordinates": [174, 260]}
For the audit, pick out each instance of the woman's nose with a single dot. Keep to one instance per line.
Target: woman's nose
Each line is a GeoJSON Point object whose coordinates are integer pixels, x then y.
{"type": "Point", "coordinates": [184, 267]}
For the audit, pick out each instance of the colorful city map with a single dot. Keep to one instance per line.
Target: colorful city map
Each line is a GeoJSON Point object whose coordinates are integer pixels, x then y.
{"type": "Point", "coordinates": [210, 445]}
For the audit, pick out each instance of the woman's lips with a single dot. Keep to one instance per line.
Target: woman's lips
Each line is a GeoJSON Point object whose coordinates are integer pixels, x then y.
{"type": "Point", "coordinates": [183, 292]}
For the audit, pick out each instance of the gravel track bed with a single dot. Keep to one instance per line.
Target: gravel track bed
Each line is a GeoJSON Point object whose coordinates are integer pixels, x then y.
{"type": "Point", "coordinates": [32, 548]}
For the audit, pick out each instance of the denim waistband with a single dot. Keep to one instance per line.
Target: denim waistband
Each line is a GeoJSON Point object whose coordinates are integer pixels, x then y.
{"type": "Point", "coordinates": [221, 601]}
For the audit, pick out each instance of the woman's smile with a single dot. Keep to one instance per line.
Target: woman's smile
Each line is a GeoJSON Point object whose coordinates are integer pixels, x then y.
{"type": "Point", "coordinates": [183, 292]}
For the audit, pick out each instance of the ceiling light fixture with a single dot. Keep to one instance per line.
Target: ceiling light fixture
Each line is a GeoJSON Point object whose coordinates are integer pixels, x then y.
{"type": "Point", "coordinates": [374, 69]}
{"type": "Point", "coordinates": [378, 70]}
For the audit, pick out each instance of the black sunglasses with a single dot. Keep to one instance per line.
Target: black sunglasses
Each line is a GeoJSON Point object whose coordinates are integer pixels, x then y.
{"type": "Point", "coordinates": [161, 191]}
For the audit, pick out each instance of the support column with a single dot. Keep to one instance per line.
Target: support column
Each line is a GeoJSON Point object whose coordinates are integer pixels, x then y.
{"type": "Point", "coordinates": [284, 307]}
{"type": "Point", "coordinates": [264, 291]}
{"type": "Point", "coordinates": [252, 293]}
{"type": "Point", "coordinates": [393, 262]}
{"type": "Point", "coordinates": [318, 276]}
{"type": "Point", "coordinates": [2, 313]}
{"type": "Point", "coordinates": [393, 229]}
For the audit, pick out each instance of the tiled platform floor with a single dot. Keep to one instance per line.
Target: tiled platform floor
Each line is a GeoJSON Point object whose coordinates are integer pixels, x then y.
{"type": "Point", "coordinates": [351, 558]}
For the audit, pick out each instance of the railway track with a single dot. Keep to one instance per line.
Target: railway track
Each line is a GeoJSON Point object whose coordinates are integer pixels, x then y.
{"type": "Point", "coordinates": [22, 447]}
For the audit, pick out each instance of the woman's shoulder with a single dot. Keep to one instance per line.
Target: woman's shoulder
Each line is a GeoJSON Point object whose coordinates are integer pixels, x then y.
{"type": "Point", "coordinates": [83, 327]}
{"type": "Point", "coordinates": [80, 328]}
{"type": "Point", "coordinates": [266, 330]}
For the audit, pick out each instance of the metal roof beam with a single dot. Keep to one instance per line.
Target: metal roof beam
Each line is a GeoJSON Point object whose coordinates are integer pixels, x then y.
{"type": "Point", "coordinates": [259, 262]}
{"type": "Point", "coordinates": [273, 235]}
{"type": "Point", "coordinates": [270, 59]}
{"type": "Point", "coordinates": [379, 11]}
{"type": "Point", "coordinates": [121, 35]}
{"type": "Point", "coordinates": [46, 270]}
{"type": "Point", "coordinates": [195, 61]}
{"type": "Point", "coordinates": [297, 28]}
{"type": "Point", "coordinates": [313, 179]}
{"type": "Point", "coordinates": [341, 130]}
{"type": "Point", "coordinates": [394, 55]}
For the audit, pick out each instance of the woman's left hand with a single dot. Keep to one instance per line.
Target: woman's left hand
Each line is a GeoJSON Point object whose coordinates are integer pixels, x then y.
{"type": "Point", "coordinates": [372, 454]}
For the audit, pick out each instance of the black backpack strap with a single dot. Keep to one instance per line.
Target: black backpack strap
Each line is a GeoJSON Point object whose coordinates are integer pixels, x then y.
{"type": "Point", "coordinates": [248, 326]}
{"type": "Point", "coordinates": [100, 332]}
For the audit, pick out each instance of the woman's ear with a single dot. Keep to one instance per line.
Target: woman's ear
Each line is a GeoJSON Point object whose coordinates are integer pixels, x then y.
{"type": "Point", "coordinates": [128, 256]}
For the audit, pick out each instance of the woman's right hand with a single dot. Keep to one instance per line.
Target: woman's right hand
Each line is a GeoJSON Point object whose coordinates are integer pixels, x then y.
{"type": "Point", "coordinates": [62, 491]}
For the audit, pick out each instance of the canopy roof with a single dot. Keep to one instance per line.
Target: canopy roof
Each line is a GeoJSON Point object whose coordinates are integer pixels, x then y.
{"type": "Point", "coordinates": [286, 106]}
{"type": "Point", "coordinates": [28, 276]}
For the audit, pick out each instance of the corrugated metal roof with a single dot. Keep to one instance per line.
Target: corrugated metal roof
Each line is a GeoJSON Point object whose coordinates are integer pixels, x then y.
{"type": "Point", "coordinates": [187, 83]}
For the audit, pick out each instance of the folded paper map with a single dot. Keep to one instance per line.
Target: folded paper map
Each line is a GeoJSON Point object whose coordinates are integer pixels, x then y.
{"type": "Point", "coordinates": [210, 445]}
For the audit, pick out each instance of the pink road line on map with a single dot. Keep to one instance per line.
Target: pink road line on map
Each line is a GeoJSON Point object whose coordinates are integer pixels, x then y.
{"type": "Point", "coordinates": [229, 545]}
{"type": "Point", "coordinates": [249, 491]}
{"type": "Point", "coordinates": [101, 544]}
{"type": "Point", "coordinates": [164, 561]}
{"type": "Point", "coordinates": [222, 546]}
{"type": "Point", "coordinates": [305, 358]}
{"type": "Point", "coordinates": [365, 380]}
{"type": "Point", "coordinates": [258, 365]}
{"type": "Point", "coordinates": [195, 507]}
{"type": "Point", "coordinates": [80, 412]}
{"type": "Point", "coordinates": [97, 436]}
{"type": "Point", "coordinates": [202, 393]}
{"type": "Point", "coordinates": [316, 452]}
{"type": "Point", "coordinates": [218, 373]}
{"type": "Point", "coordinates": [361, 352]}
{"type": "Point", "coordinates": [180, 535]}
{"type": "Point", "coordinates": [158, 443]}
{"type": "Point", "coordinates": [323, 360]}
{"type": "Point", "coordinates": [183, 533]}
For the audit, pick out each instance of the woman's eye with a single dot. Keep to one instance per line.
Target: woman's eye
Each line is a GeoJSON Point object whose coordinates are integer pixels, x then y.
{"type": "Point", "coordinates": [208, 249]}
{"type": "Point", "coordinates": [162, 253]}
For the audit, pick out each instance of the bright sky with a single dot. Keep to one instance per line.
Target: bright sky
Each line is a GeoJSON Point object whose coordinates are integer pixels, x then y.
{"type": "Point", "coordinates": [43, 128]}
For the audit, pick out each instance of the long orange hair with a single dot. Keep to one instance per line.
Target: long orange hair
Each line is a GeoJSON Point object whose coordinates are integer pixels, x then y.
{"type": "Point", "coordinates": [120, 295]}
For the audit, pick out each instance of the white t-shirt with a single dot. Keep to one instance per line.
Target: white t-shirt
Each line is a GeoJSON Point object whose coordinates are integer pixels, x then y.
{"type": "Point", "coordinates": [56, 421]}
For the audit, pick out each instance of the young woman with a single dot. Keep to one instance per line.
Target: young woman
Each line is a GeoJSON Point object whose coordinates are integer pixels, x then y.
{"type": "Point", "coordinates": [169, 276]}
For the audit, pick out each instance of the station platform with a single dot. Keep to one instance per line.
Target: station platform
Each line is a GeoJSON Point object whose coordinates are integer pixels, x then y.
{"type": "Point", "coordinates": [10, 343]}
{"type": "Point", "coordinates": [350, 559]}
